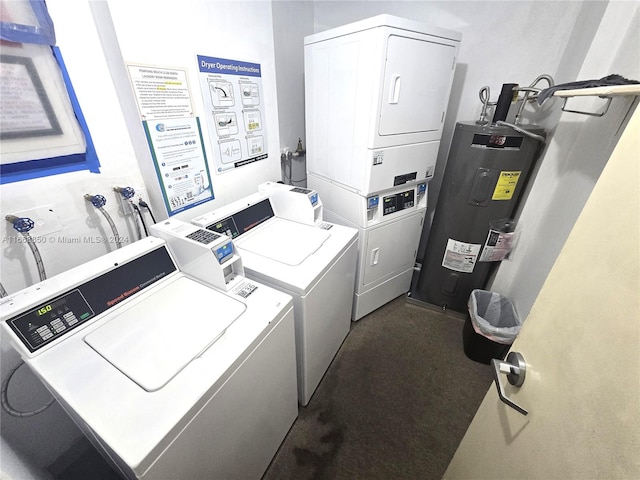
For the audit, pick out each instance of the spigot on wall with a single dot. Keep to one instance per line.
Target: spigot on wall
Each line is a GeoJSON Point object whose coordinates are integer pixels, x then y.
{"type": "Point", "coordinates": [22, 225]}
{"type": "Point", "coordinates": [97, 201]}
{"type": "Point", "coordinates": [126, 192]}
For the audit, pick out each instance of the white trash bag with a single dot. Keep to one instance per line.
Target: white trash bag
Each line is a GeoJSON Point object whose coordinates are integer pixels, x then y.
{"type": "Point", "coordinates": [493, 316]}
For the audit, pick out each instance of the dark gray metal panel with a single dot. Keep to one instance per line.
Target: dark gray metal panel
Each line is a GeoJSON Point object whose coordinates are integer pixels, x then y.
{"type": "Point", "coordinates": [467, 205]}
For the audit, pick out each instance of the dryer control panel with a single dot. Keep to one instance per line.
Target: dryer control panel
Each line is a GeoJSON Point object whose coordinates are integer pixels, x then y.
{"type": "Point", "coordinates": [389, 205]}
{"type": "Point", "coordinates": [399, 201]}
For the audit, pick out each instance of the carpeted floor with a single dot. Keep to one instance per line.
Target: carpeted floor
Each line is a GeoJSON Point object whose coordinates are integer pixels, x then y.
{"type": "Point", "coordinates": [394, 404]}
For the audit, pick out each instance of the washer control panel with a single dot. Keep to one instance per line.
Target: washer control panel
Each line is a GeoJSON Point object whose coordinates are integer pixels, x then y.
{"type": "Point", "coordinates": [51, 319]}
{"type": "Point", "coordinates": [58, 316]}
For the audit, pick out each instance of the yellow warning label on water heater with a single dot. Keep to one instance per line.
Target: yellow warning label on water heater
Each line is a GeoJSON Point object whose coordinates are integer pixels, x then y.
{"type": "Point", "coordinates": [506, 185]}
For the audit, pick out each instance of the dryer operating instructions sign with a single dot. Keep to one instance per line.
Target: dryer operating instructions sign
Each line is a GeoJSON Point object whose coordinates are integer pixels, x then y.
{"type": "Point", "coordinates": [232, 94]}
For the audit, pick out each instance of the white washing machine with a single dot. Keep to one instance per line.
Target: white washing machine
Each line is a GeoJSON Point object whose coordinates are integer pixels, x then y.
{"type": "Point", "coordinates": [316, 265]}
{"type": "Point", "coordinates": [166, 376]}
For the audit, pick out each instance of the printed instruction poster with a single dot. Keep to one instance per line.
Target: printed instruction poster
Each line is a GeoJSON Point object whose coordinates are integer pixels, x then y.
{"type": "Point", "coordinates": [232, 94]}
{"type": "Point", "coordinates": [173, 134]}
{"type": "Point", "coordinates": [160, 92]}
{"type": "Point", "coordinates": [180, 162]}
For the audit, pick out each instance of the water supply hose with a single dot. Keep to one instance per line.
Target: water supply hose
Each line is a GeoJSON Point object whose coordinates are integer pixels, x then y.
{"type": "Point", "coordinates": [5, 399]}
{"type": "Point", "coordinates": [521, 130]}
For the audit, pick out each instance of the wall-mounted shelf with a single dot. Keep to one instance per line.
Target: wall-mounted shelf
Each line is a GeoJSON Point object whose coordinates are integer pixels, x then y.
{"type": "Point", "coordinates": [603, 92]}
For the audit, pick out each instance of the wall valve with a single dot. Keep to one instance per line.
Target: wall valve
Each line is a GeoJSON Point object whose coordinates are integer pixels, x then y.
{"type": "Point", "coordinates": [126, 192]}
{"type": "Point", "coordinates": [97, 201]}
{"type": "Point", "coordinates": [21, 224]}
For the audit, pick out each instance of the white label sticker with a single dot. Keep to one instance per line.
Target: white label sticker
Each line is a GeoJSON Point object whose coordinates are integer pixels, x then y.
{"type": "Point", "coordinates": [460, 256]}
{"type": "Point", "coordinates": [377, 158]}
{"type": "Point", "coordinates": [430, 171]}
{"type": "Point", "coordinates": [244, 289]}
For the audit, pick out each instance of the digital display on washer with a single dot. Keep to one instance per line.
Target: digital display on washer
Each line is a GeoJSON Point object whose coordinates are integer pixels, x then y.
{"type": "Point", "coordinates": [226, 227]}
{"type": "Point", "coordinates": [244, 220]}
{"type": "Point", "coordinates": [399, 201]}
{"type": "Point", "coordinates": [60, 315]}
{"type": "Point", "coordinates": [224, 252]}
{"type": "Point", "coordinates": [47, 320]}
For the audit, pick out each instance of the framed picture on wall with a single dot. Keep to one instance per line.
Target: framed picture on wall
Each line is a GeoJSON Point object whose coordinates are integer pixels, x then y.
{"type": "Point", "coordinates": [26, 109]}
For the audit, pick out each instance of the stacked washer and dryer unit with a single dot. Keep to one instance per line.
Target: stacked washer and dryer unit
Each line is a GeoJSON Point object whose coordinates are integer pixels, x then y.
{"type": "Point", "coordinates": [376, 92]}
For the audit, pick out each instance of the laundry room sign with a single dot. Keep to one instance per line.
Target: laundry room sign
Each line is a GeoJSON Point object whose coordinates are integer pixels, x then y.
{"type": "Point", "coordinates": [232, 94]}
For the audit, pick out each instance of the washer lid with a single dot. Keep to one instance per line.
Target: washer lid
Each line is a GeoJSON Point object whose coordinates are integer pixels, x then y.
{"type": "Point", "coordinates": [284, 241]}
{"type": "Point", "coordinates": [152, 339]}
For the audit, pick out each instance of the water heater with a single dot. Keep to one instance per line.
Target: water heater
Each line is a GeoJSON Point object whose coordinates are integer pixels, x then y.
{"type": "Point", "coordinates": [486, 173]}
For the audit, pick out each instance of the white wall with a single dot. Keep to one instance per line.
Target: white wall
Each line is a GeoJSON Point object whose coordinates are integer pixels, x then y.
{"type": "Point", "coordinates": [575, 157]}
{"type": "Point", "coordinates": [292, 21]}
{"type": "Point", "coordinates": [164, 33]}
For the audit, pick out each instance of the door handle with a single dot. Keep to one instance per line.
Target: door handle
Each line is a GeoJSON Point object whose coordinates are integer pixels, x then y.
{"type": "Point", "coordinates": [515, 367]}
{"type": "Point", "coordinates": [394, 91]}
{"type": "Point", "coordinates": [375, 254]}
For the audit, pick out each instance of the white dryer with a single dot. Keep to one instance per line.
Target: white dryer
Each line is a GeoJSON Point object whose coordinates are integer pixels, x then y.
{"type": "Point", "coordinates": [166, 376]}
{"type": "Point", "coordinates": [316, 265]}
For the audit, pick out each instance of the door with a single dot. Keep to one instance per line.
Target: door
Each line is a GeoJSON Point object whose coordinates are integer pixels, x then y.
{"type": "Point", "coordinates": [417, 80]}
{"type": "Point", "coordinates": [581, 344]}
{"type": "Point", "coordinates": [391, 248]}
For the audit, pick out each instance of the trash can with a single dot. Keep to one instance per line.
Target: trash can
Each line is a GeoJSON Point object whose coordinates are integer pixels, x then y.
{"type": "Point", "coordinates": [490, 328]}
